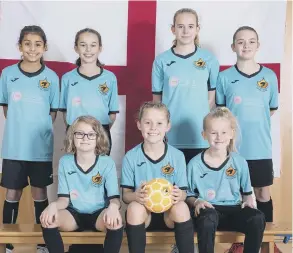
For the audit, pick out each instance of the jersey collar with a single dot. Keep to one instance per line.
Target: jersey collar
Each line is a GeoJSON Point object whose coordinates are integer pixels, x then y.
{"type": "Point", "coordinates": [212, 168]}
{"type": "Point", "coordinates": [31, 74]}
{"type": "Point", "coordinates": [155, 161]}
{"type": "Point", "coordinates": [184, 56]}
{"type": "Point", "coordinates": [248, 76]}
{"type": "Point", "coordinates": [90, 78]}
{"type": "Point", "coordinates": [90, 169]}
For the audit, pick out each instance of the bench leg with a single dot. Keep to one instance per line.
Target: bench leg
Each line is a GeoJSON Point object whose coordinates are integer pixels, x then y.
{"type": "Point", "coordinates": [271, 247]}
{"type": "Point", "coordinates": [2, 248]}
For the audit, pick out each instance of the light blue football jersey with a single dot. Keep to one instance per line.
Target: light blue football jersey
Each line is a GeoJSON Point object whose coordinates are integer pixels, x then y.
{"type": "Point", "coordinates": [91, 190]}
{"type": "Point", "coordinates": [30, 97]}
{"type": "Point", "coordinates": [184, 83]}
{"type": "Point", "coordinates": [96, 96]}
{"type": "Point", "coordinates": [250, 99]}
{"type": "Point", "coordinates": [219, 186]}
{"type": "Point", "coordinates": [137, 167]}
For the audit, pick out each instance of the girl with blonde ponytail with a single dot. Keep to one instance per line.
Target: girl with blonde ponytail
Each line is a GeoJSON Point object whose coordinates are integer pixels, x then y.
{"type": "Point", "coordinates": [219, 188]}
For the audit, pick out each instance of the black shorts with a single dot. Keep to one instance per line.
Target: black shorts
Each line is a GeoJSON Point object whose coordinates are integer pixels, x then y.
{"type": "Point", "coordinates": [190, 153]}
{"type": "Point", "coordinates": [15, 174]}
{"type": "Point", "coordinates": [107, 129]}
{"type": "Point", "coordinates": [85, 221]}
{"type": "Point", "coordinates": [261, 172]}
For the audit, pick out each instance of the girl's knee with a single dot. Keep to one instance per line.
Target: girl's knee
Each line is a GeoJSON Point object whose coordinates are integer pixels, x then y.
{"type": "Point", "coordinates": [13, 195]}
{"type": "Point", "coordinates": [136, 213]}
{"type": "Point", "coordinates": [179, 212]}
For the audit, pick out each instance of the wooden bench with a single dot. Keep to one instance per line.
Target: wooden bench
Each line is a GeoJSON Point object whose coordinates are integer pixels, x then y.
{"type": "Point", "coordinates": [32, 234]}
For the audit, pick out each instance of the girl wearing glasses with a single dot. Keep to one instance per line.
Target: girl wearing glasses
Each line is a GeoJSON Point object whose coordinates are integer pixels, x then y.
{"type": "Point", "coordinates": [89, 89]}
{"type": "Point", "coordinates": [88, 193]}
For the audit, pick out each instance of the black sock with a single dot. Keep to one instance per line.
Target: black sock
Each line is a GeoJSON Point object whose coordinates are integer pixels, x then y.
{"type": "Point", "coordinates": [53, 240]}
{"type": "Point", "coordinates": [136, 237]}
{"type": "Point", "coordinates": [40, 206]}
{"type": "Point", "coordinates": [10, 212]}
{"type": "Point", "coordinates": [184, 236]}
{"type": "Point", "coordinates": [266, 208]}
{"type": "Point", "coordinates": [113, 240]}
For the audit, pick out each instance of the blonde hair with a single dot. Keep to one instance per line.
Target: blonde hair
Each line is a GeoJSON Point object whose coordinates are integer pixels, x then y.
{"type": "Point", "coordinates": [102, 140]}
{"type": "Point", "coordinates": [224, 112]}
{"type": "Point", "coordinates": [153, 105]}
{"type": "Point", "coordinates": [191, 11]}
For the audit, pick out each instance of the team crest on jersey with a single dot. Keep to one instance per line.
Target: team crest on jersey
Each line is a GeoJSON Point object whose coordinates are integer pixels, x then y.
{"type": "Point", "coordinates": [200, 64]}
{"type": "Point", "coordinates": [230, 172]}
{"type": "Point", "coordinates": [262, 85]}
{"type": "Point", "coordinates": [167, 169]}
{"type": "Point", "coordinates": [97, 179]}
{"type": "Point", "coordinates": [103, 88]}
{"type": "Point", "coordinates": [44, 84]}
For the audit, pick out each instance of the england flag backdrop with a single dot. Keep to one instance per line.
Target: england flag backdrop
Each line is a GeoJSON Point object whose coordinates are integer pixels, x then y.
{"type": "Point", "coordinates": [133, 33]}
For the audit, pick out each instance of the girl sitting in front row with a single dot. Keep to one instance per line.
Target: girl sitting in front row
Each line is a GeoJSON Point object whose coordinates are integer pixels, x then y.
{"type": "Point", "coordinates": [219, 188]}
{"type": "Point", "coordinates": [88, 193]}
{"type": "Point", "coordinates": [155, 159]}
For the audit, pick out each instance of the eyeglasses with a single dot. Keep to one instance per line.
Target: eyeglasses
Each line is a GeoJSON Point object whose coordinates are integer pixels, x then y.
{"type": "Point", "coordinates": [80, 135]}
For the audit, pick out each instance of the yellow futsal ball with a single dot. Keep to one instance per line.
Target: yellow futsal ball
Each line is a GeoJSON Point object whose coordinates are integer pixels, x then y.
{"type": "Point", "coordinates": [158, 195]}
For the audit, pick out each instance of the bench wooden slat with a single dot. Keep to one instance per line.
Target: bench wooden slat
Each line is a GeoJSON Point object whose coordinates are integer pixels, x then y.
{"type": "Point", "coordinates": [33, 230]}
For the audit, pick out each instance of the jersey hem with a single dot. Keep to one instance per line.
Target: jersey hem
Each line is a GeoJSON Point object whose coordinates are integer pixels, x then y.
{"type": "Point", "coordinates": [157, 92]}
{"type": "Point", "coordinates": [127, 187]}
{"type": "Point", "coordinates": [114, 197]}
{"type": "Point", "coordinates": [246, 193]}
{"type": "Point", "coordinates": [113, 112]}
{"type": "Point", "coordinates": [63, 195]}
{"type": "Point", "coordinates": [220, 104]}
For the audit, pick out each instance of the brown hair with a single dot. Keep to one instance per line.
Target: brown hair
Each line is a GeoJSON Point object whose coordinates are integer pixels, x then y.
{"type": "Point", "coordinates": [224, 112]}
{"type": "Point", "coordinates": [154, 105]}
{"type": "Point", "coordinates": [102, 140]}
{"type": "Point", "coordinates": [191, 11]}
{"type": "Point", "coordinates": [88, 30]}
{"type": "Point", "coordinates": [243, 28]}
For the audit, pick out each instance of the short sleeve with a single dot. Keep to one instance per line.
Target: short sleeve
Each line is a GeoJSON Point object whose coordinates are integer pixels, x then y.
{"type": "Point", "coordinates": [213, 73]}
{"type": "Point", "coordinates": [157, 78]}
{"type": "Point", "coordinates": [114, 101]}
{"type": "Point", "coordinates": [3, 90]}
{"type": "Point", "coordinates": [192, 187]}
{"type": "Point", "coordinates": [220, 92]}
{"type": "Point", "coordinates": [63, 190]}
{"type": "Point", "coordinates": [127, 176]}
{"type": "Point", "coordinates": [64, 94]}
{"type": "Point", "coordinates": [54, 94]}
{"type": "Point", "coordinates": [245, 183]}
{"type": "Point", "coordinates": [181, 177]}
{"type": "Point", "coordinates": [111, 182]}
{"type": "Point", "coordinates": [274, 93]}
